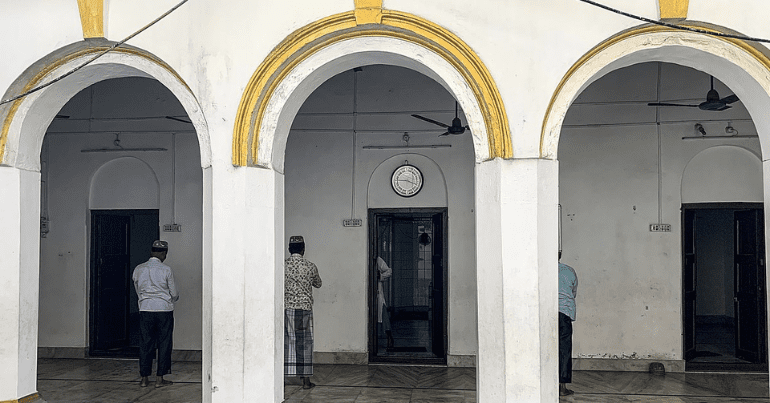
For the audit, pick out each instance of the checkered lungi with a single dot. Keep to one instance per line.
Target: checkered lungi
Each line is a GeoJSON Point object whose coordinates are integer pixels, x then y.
{"type": "Point", "coordinates": [298, 342]}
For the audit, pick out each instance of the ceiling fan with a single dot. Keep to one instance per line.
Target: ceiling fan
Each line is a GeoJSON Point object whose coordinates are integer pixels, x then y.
{"type": "Point", "coordinates": [712, 102]}
{"type": "Point", "coordinates": [456, 127]}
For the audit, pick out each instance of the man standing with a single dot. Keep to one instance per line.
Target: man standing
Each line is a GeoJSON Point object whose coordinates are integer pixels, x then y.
{"type": "Point", "coordinates": [300, 276]}
{"type": "Point", "coordinates": [568, 283]}
{"type": "Point", "coordinates": [154, 284]}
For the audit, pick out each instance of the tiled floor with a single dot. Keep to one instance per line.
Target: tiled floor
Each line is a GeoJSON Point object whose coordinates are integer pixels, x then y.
{"type": "Point", "coordinates": [111, 380]}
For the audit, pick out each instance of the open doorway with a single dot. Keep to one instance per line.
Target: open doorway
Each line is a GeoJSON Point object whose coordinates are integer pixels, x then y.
{"type": "Point", "coordinates": [724, 286]}
{"type": "Point", "coordinates": [412, 243]}
{"type": "Point", "coordinates": [113, 149]}
{"type": "Point", "coordinates": [120, 240]}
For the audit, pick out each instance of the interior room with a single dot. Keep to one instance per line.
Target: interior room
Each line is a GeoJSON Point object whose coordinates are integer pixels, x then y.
{"type": "Point", "coordinates": [120, 167]}
{"type": "Point", "coordinates": [347, 140]}
{"type": "Point", "coordinates": [639, 146]}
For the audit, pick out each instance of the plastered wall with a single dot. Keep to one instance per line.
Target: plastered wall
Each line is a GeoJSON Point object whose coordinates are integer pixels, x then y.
{"type": "Point", "coordinates": [629, 295]}
{"type": "Point", "coordinates": [320, 177]}
{"type": "Point", "coordinates": [68, 174]}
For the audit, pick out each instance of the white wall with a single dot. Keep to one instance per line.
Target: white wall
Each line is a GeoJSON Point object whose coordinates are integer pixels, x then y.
{"type": "Point", "coordinates": [711, 176]}
{"type": "Point", "coordinates": [124, 183]}
{"type": "Point", "coordinates": [629, 298]}
{"type": "Point", "coordinates": [319, 173]}
{"type": "Point", "coordinates": [68, 173]}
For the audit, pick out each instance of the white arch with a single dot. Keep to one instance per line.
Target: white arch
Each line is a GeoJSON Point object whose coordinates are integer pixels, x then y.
{"type": "Point", "coordinates": [37, 110]}
{"type": "Point", "coordinates": [24, 124]}
{"type": "Point", "coordinates": [292, 92]}
{"type": "Point", "coordinates": [737, 68]}
{"type": "Point", "coordinates": [434, 194]}
{"type": "Point", "coordinates": [124, 183]}
{"type": "Point", "coordinates": [723, 174]}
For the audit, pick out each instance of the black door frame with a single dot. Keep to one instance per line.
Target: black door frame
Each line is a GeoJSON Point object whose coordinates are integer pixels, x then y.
{"type": "Point", "coordinates": [372, 284]}
{"type": "Point", "coordinates": [689, 366]}
{"type": "Point", "coordinates": [93, 281]}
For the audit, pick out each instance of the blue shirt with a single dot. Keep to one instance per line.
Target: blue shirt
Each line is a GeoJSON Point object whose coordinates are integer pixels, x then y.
{"type": "Point", "coordinates": [568, 283]}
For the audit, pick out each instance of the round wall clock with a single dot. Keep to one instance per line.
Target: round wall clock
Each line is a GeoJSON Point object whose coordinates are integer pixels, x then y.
{"type": "Point", "coordinates": [406, 180]}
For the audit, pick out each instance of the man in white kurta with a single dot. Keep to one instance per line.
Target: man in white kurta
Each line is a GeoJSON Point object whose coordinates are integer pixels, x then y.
{"type": "Point", "coordinates": [156, 289]}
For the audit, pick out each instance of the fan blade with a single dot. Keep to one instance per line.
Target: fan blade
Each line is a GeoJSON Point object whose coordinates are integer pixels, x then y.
{"type": "Point", "coordinates": [667, 104]}
{"type": "Point", "coordinates": [431, 121]}
{"type": "Point", "coordinates": [444, 134]}
{"type": "Point", "coordinates": [729, 99]}
{"type": "Point", "coordinates": [723, 108]}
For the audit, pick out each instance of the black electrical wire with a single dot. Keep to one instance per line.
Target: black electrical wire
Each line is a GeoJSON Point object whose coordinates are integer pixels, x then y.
{"type": "Point", "coordinates": [675, 26]}
{"type": "Point", "coordinates": [91, 60]}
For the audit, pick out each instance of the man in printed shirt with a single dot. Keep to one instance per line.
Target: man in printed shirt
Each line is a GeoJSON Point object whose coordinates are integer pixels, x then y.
{"type": "Point", "coordinates": [300, 276]}
{"type": "Point", "coordinates": [154, 284]}
{"type": "Point", "coordinates": [568, 283]}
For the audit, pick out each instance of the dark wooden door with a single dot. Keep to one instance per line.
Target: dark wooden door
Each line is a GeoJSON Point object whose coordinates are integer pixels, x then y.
{"type": "Point", "coordinates": [120, 240]}
{"type": "Point", "coordinates": [111, 277]}
{"type": "Point", "coordinates": [749, 297]}
{"type": "Point", "coordinates": [690, 281]}
{"type": "Point", "coordinates": [413, 243]}
{"type": "Point", "coordinates": [438, 286]}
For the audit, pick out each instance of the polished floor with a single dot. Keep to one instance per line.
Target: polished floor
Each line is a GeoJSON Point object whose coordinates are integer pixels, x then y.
{"type": "Point", "coordinates": [114, 380]}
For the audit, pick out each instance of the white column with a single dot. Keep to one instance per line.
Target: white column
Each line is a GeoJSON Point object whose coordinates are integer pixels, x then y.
{"type": "Point", "coordinates": [19, 281]}
{"type": "Point", "coordinates": [206, 258]}
{"type": "Point", "coordinates": [766, 183]}
{"type": "Point", "coordinates": [247, 286]}
{"type": "Point", "coordinates": [517, 280]}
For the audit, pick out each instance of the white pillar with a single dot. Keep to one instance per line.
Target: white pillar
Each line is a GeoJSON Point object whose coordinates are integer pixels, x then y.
{"type": "Point", "coordinates": [19, 281]}
{"type": "Point", "coordinates": [206, 256]}
{"type": "Point", "coordinates": [766, 183]}
{"type": "Point", "coordinates": [247, 286]}
{"type": "Point", "coordinates": [517, 280]}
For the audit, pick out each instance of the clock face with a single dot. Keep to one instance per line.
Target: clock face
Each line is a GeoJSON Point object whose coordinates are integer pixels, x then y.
{"type": "Point", "coordinates": [406, 180]}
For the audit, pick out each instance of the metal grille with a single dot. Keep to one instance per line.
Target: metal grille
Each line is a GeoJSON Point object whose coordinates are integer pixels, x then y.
{"type": "Point", "coordinates": [406, 244]}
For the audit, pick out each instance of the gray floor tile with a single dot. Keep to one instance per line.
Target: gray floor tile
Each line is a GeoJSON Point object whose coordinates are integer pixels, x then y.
{"type": "Point", "coordinates": [90, 380]}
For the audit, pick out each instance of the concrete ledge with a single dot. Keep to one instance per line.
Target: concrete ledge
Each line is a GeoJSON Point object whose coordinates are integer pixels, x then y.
{"type": "Point", "coordinates": [629, 365]}
{"type": "Point", "coordinates": [340, 357]}
{"type": "Point", "coordinates": [62, 352]}
{"type": "Point", "coordinates": [461, 361]}
{"type": "Point", "coordinates": [355, 358]}
{"type": "Point", "coordinates": [82, 352]}
{"type": "Point", "coordinates": [187, 355]}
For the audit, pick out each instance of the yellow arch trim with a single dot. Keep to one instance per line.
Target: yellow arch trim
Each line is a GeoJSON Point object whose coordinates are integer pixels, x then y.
{"type": "Point", "coordinates": [327, 31]}
{"type": "Point", "coordinates": [46, 70]}
{"type": "Point", "coordinates": [755, 51]}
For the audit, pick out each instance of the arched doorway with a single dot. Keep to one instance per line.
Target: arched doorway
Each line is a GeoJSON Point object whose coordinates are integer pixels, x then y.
{"type": "Point", "coordinates": [648, 147]}
{"type": "Point", "coordinates": [276, 92]}
{"type": "Point", "coordinates": [23, 133]}
{"type": "Point", "coordinates": [345, 143]}
{"type": "Point", "coordinates": [724, 306]}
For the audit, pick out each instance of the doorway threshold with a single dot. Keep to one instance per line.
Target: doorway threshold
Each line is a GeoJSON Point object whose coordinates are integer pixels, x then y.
{"type": "Point", "coordinates": [724, 367]}
{"type": "Point", "coordinates": [406, 360]}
